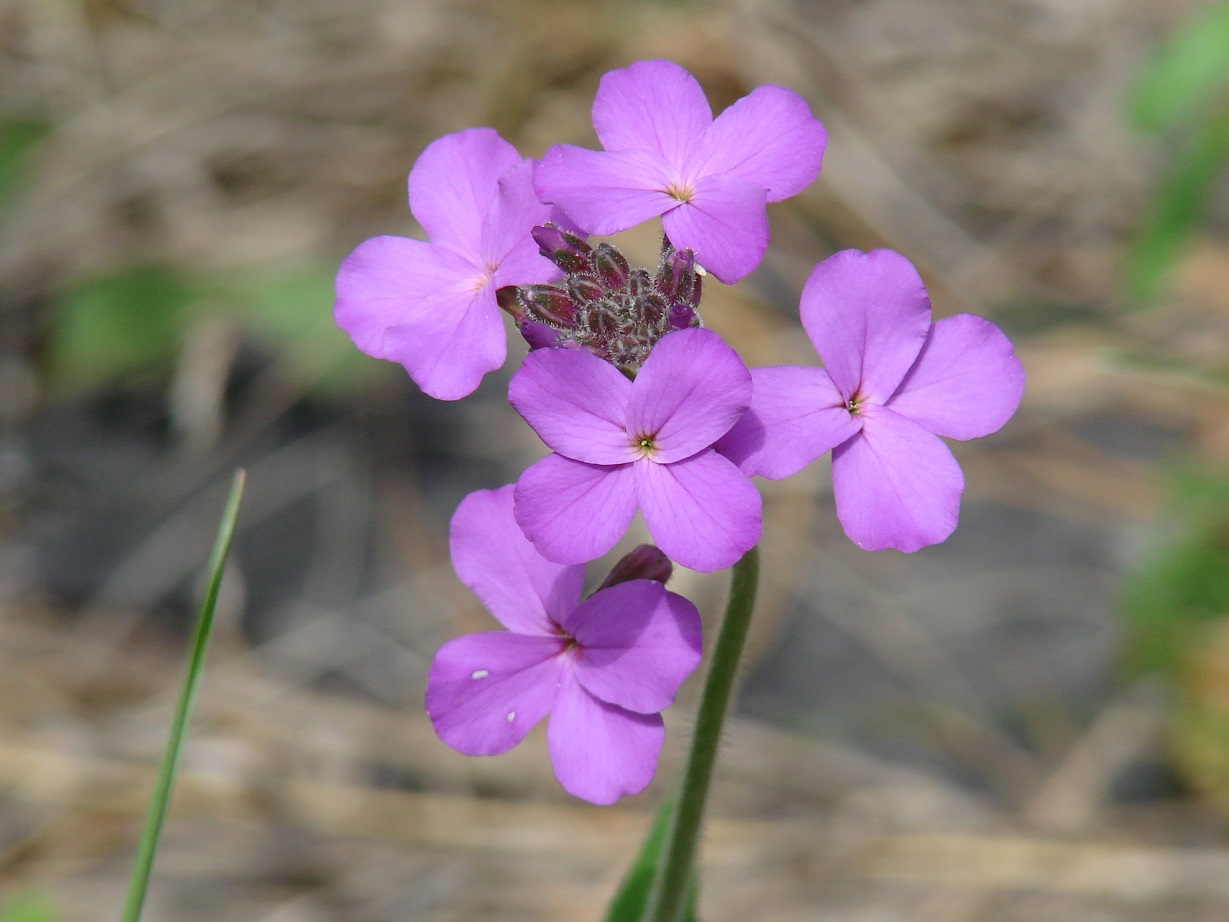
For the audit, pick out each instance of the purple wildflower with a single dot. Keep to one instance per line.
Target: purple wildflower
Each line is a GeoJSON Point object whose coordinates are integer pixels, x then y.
{"type": "Point", "coordinates": [623, 445]}
{"type": "Point", "coordinates": [665, 155]}
{"type": "Point", "coordinates": [432, 306]}
{"type": "Point", "coordinates": [892, 382]}
{"type": "Point", "coordinates": [603, 668]}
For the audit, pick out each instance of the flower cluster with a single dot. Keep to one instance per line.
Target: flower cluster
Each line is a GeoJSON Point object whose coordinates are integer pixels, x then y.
{"type": "Point", "coordinates": [642, 409]}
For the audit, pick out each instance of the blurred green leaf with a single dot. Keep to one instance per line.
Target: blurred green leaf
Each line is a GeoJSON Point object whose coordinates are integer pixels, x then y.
{"type": "Point", "coordinates": [33, 907]}
{"type": "Point", "coordinates": [117, 325]}
{"type": "Point", "coordinates": [1179, 205]}
{"type": "Point", "coordinates": [1185, 75]}
{"type": "Point", "coordinates": [632, 900]}
{"type": "Point", "coordinates": [17, 137]}
{"type": "Point", "coordinates": [1185, 583]}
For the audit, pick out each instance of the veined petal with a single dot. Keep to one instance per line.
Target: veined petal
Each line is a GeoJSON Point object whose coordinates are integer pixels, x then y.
{"type": "Point", "coordinates": [605, 193]}
{"type": "Point", "coordinates": [576, 403]}
{"type": "Point", "coordinates": [966, 382]}
{"type": "Point", "coordinates": [654, 106]}
{"type": "Point", "coordinates": [702, 512]}
{"type": "Point", "coordinates": [896, 485]}
{"type": "Point", "coordinates": [868, 315]}
{"type": "Point", "coordinates": [637, 644]}
{"type": "Point", "coordinates": [492, 556]}
{"type": "Point", "coordinates": [691, 390]}
{"type": "Point", "coordinates": [599, 751]}
{"type": "Point", "coordinates": [768, 138]}
{"type": "Point", "coordinates": [486, 691]}
{"type": "Point", "coordinates": [454, 183]}
{"type": "Point", "coordinates": [385, 281]}
{"type": "Point", "coordinates": [507, 246]}
{"type": "Point", "coordinates": [796, 415]}
{"type": "Point", "coordinates": [450, 343]}
{"type": "Point", "coordinates": [574, 512]}
{"type": "Point", "coordinates": [725, 223]}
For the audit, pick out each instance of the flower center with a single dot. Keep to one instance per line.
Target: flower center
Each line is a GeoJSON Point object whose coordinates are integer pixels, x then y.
{"type": "Point", "coordinates": [680, 191]}
{"type": "Point", "coordinates": [852, 406]}
{"type": "Point", "coordinates": [644, 445]}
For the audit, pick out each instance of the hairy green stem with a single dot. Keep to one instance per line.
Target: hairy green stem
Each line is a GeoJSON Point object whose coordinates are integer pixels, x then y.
{"type": "Point", "coordinates": [674, 877]}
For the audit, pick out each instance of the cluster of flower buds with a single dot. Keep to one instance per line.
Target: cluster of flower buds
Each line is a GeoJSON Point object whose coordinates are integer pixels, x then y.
{"type": "Point", "coordinates": [602, 304]}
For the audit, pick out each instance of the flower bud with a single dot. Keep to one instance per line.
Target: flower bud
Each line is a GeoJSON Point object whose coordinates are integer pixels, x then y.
{"type": "Point", "coordinates": [550, 303]}
{"type": "Point", "coordinates": [539, 335]}
{"type": "Point", "coordinates": [611, 266]}
{"type": "Point", "coordinates": [584, 290]}
{"type": "Point", "coordinates": [683, 316]}
{"type": "Point", "coordinates": [565, 249]}
{"type": "Point", "coordinates": [643, 562]}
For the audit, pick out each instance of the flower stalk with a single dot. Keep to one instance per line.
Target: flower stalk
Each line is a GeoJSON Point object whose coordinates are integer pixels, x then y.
{"type": "Point", "coordinates": [673, 880]}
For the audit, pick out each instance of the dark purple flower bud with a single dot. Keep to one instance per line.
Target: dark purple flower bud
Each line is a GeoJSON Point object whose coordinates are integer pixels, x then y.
{"type": "Point", "coordinates": [678, 279]}
{"type": "Point", "coordinates": [602, 321]}
{"type": "Point", "coordinates": [584, 290]}
{"type": "Point", "coordinates": [565, 249]}
{"type": "Point", "coordinates": [550, 303]}
{"type": "Point", "coordinates": [611, 266]}
{"type": "Point", "coordinates": [639, 284]}
{"type": "Point", "coordinates": [539, 335]}
{"type": "Point", "coordinates": [683, 316]}
{"type": "Point", "coordinates": [644, 562]}
{"type": "Point", "coordinates": [653, 311]}
{"type": "Point", "coordinates": [509, 299]}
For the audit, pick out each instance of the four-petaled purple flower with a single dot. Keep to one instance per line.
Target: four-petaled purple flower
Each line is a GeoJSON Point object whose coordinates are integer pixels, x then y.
{"type": "Point", "coordinates": [603, 668]}
{"type": "Point", "coordinates": [665, 155]}
{"type": "Point", "coordinates": [892, 383]}
{"type": "Point", "coordinates": [431, 306]}
{"type": "Point", "coordinates": [624, 445]}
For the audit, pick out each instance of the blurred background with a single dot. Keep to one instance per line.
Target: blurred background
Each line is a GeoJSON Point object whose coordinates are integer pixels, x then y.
{"type": "Point", "coordinates": [1029, 722]}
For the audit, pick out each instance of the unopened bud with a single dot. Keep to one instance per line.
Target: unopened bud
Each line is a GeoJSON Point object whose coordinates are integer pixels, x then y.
{"type": "Point", "coordinates": [611, 266]}
{"type": "Point", "coordinates": [644, 562]}
{"type": "Point", "coordinates": [539, 335]}
{"type": "Point", "coordinates": [584, 290]}
{"type": "Point", "coordinates": [550, 303]}
{"type": "Point", "coordinates": [683, 316]}
{"type": "Point", "coordinates": [565, 249]}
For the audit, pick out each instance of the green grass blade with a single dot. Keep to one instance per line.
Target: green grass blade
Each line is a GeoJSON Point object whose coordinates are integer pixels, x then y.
{"type": "Point", "coordinates": [158, 806]}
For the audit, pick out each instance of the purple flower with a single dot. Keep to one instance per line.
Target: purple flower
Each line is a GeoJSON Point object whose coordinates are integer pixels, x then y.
{"type": "Point", "coordinates": [893, 381]}
{"type": "Point", "coordinates": [623, 445]}
{"type": "Point", "coordinates": [603, 668]}
{"type": "Point", "coordinates": [431, 306]}
{"type": "Point", "coordinates": [665, 155]}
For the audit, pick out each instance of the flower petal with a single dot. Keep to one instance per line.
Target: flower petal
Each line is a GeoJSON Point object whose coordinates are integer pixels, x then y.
{"type": "Point", "coordinates": [385, 281]}
{"type": "Point", "coordinates": [454, 183]}
{"type": "Point", "coordinates": [654, 106]}
{"type": "Point", "coordinates": [868, 315]}
{"type": "Point", "coordinates": [691, 390]}
{"type": "Point", "coordinates": [702, 511]}
{"type": "Point", "coordinates": [896, 484]}
{"type": "Point", "coordinates": [724, 223]}
{"type": "Point", "coordinates": [451, 343]}
{"type": "Point", "coordinates": [601, 752]}
{"type": "Point", "coordinates": [637, 644]}
{"type": "Point", "coordinates": [576, 403]}
{"type": "Point", "coordinates": [574, 512]}
{"type": "Point", "coordinates": [604, 193]}
{"type": "Point", "coordinates": [492, 556]}
{"type": "Point", "coordinates": [486, 691]}
{"type": "Point", "coordinates": [966, 382]}
{"type": "Point", "coordinates": [796, 415]}
{"type": "Point", "coordinates": [506, 242]}
{"type": "Point", "coordinates": [769, 138]}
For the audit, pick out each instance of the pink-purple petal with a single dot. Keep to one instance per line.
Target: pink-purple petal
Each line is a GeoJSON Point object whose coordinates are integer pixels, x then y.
{"type": "Point", "coordinates": [486, 691]}
{"type": "Point", "coordinates": [724, 223]}
{"type": "Point", "coordinates": [896, 484]}
{"type": "Point", "coordinates": [691, 390]}
{"type": "Point", "coordinates": [576, 403]}
{"type": "Point", "coordinates": [492, 556]}
{"type": "Point", "coordinates": [702, 512]}
{"type": "Point", "coordinates": [450, 343]}
{"type": "Point", "coordinates": [601, 752]}
{"type": "Point", "coordinates": [654, 106]}
{"type": "Point", "coordinates": [638, 643]}
{"type": "Point", "coordinates": [966, 382]}
{"type": "Point", "coordinates": [867, 315]}
{"type": "Point", "coordinates": [385, 282]}
{"type": "Point", "coordinates": [796, 415]}
{"type": "Point", "coordinates": [574, 512]}
{"type": "Point", "coordinates": [453, 184]}
{"type": "Point", "coordinates": [605, 193]}
{"type": "Point", "coordinates": [769, 138]}
{"type": "Point", "coordinates": [508, 251]}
